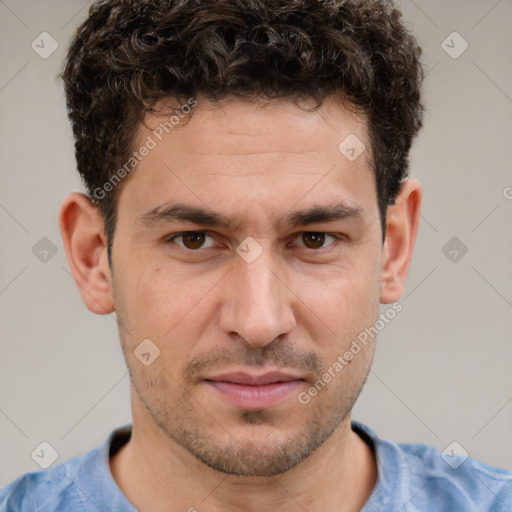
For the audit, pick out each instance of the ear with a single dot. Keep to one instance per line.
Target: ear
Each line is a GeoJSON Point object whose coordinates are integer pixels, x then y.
{"type": "Point", "coordinates": [402, 223]}
{"type": "Point", "coordinates": [82, 231]}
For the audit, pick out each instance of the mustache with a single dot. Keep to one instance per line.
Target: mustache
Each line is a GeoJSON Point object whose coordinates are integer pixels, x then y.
{"type": "Point", "coordinates": [283, 356]}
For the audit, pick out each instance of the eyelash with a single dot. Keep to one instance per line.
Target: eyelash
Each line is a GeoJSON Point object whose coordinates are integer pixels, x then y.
{"type": "Point", "coordinates": [336, 236]}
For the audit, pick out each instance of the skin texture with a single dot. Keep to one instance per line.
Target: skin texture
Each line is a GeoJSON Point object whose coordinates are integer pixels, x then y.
{"type": "Point", "coordinates": [295, 308]}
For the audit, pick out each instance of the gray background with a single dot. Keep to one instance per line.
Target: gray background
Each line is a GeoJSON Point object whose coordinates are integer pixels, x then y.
{"type": "Point", "coordinates": [442, 367]}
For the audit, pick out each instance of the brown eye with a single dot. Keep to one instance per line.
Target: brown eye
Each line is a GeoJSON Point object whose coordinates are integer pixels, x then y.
{"type": "Point", "coordinates": [313, 240]}
{"type": "Point", "coordinates": [192, 240]}
{"type": "Point", "coordinates": [316, 239]}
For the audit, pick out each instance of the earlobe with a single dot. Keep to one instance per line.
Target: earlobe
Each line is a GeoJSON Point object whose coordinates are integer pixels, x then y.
{"type": "Point", "coordinates": [402, 225]}
{"type": "Point", "coordinates": [81, 227]}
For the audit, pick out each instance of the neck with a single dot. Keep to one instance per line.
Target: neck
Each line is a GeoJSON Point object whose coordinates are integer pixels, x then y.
{"type": "Point", "coordinates": [157, 474]}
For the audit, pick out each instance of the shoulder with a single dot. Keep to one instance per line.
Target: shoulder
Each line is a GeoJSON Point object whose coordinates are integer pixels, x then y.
{"type": "Point", "coordinates": [81, 484]}
{"type": "Point", "coordinates": [458, 478]}
{"type": "Point", "coordinates": [425, 478]}
{"type": "Point", "coordinates": [50, 489]}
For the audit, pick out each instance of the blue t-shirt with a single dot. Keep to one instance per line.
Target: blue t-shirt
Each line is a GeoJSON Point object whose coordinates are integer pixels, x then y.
{"type": "Point", "coordinates": [411, 478]}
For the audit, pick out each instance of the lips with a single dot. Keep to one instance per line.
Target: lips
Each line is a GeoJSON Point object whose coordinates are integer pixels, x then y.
{"type": "Point", "coordinates": [254, 392]}
{"type": "Point", "coordinates": [253, 380]}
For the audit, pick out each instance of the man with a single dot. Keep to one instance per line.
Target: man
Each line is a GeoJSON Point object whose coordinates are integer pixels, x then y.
{"type": "Point", "coordinates": [248, 210]}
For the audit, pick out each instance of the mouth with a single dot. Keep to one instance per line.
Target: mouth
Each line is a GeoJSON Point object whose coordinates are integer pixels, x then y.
{"type": "Point", "coordinates": [255, 392]}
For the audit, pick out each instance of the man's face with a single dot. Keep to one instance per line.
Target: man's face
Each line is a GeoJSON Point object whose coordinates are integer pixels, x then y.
{"type": "Point", "coordinates": [291, 299]}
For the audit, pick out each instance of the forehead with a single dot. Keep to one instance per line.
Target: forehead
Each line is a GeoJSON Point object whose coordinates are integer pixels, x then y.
{"type": "Point", "coordinates": [237, 127]}
{"type": "Point", "coordinates": [234, 155]}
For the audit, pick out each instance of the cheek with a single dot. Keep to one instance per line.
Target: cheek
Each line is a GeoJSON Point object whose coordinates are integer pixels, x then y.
{"type": "Point", "coordinates": [350, 309]}
{"type": "Point", "coordinates": [345, 303]}
{"type": "Point", "coordinates": [170, 308]}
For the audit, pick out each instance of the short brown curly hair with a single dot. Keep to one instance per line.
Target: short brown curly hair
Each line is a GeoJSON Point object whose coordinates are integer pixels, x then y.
{"type": "Point", "coordinates": [129, 54]}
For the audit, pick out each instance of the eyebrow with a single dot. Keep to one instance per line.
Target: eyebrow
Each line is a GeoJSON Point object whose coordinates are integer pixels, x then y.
{"type": "Point", "coordinates": [197, 215]}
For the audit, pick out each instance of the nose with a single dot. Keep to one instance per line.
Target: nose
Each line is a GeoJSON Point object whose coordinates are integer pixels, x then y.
{"type": "Point", "coordinates": [258, 305]}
